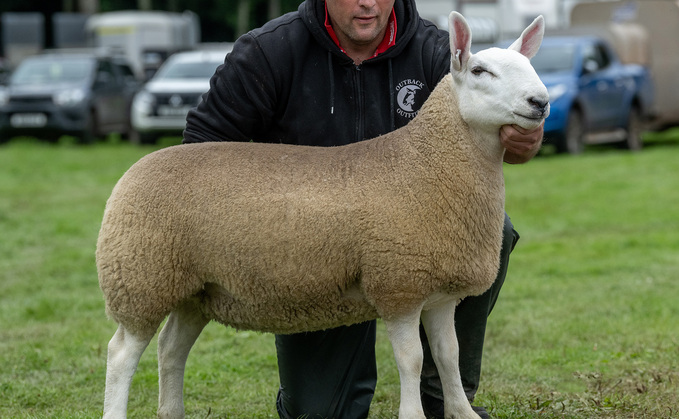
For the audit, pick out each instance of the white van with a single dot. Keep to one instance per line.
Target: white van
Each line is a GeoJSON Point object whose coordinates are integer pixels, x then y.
{"type": "Point", "coordinates": [160, 108]}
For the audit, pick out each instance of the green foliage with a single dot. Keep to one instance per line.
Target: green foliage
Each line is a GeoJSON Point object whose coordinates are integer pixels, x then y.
{"type": "Point", "coordinates": [585, 326]}
{"type": "Point", "coordinates": [218, 19]}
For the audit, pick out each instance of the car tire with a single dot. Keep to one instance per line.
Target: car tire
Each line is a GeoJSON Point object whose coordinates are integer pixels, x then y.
{"type": "Point", "coordinates": [573, 141]}
{"type": "Point", "coordinates": [91, 131]}
{"type": "Point", "coordinates": [142, 138]}
{"type": "Point", "coordinates": [635, 127]}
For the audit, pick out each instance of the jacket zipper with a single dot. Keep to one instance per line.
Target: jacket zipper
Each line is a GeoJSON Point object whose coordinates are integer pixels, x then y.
{"type": "Point", "coordinates": [358, 83]}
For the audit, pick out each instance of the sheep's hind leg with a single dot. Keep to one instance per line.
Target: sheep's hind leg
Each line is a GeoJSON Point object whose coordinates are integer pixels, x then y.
{"type": "Point", "coordinates": [405, 340]}
{"type": "Point", "coordinates": [175, 341]}
{"type": "Point", "coordinates": [124, 351]}
{"type": "Point", "coordinates": [439, 324]}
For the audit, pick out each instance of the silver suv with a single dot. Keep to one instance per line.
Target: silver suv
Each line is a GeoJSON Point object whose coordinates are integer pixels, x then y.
{"type": "Point", "coordinates": [160, 108]}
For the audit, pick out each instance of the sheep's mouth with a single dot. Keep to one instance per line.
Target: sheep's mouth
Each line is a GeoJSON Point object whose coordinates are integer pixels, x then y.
{"type": "Point", "coordinates": [529, 121]}
{"type": "Point", "coordinates": [534, 116]}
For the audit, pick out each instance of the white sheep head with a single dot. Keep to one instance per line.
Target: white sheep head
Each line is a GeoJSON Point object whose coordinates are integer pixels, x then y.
{"type": "Point", "coordinates": [498, 86]}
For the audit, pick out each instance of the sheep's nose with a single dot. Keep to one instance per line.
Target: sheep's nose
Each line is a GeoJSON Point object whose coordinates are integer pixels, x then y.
{"type": "Point", "coordinates": [538, 104]}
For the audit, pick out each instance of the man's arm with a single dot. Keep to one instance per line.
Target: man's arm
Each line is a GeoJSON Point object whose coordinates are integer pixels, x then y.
{"type": "Point", "coordinates": [520, 145]}
{"type": "Point", "coordinates": [239, 104]}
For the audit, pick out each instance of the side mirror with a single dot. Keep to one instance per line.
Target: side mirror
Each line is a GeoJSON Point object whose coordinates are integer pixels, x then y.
{"type": "Point", "coordinates": [590, 66]}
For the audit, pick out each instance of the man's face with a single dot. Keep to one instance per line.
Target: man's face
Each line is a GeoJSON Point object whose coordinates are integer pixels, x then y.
{"type": "Point", "coordinates": [359, 22]}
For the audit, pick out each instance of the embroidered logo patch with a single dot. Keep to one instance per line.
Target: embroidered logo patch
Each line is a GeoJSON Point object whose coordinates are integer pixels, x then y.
{"type": "Point", "coordinates": [409, 97]}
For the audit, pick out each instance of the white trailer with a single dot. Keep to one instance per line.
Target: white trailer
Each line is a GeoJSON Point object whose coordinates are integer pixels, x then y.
{"type": "Point", "coordinates": [644, 32]}
{"type": "Point", "coordinates": [146, 38]}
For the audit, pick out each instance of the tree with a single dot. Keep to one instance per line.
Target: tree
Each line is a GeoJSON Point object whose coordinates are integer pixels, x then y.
{"type": "Point", "coordinates": [221, 20]}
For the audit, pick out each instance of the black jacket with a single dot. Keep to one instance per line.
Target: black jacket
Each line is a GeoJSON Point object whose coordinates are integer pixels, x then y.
{"type": "Point", "coordinates": [288, 82]}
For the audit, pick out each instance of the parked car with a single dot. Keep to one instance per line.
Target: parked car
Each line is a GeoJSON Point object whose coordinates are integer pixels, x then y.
{"type": "Point", "coordinates": [594, 97]}
{"type": "Point", "coordinates": [160, 108]}
{"type": "Point", "coordinates": [82, 94]}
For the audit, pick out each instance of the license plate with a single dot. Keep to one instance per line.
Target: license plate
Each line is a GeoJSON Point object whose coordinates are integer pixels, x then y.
{"type": "Point", "coordinates": [28, 120]}
{"type": "Point", "coordinates": [173, 110]}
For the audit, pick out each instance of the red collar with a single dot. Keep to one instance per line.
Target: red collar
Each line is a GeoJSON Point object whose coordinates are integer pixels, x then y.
{"type": "Point", "coordinates": [389, 36]}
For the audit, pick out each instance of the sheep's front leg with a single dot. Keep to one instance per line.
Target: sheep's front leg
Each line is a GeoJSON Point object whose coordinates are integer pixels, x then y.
{"type": "Point", "coordinates": [124, 351]}
{"type": "Point", "coordinates": [405, 340]}
{"type": "Point", "coordinates": [439, 323]}
{"type": "Point", "coordinates": [175, 341]}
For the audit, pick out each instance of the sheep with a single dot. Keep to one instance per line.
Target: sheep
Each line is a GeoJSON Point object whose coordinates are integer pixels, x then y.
{"type": "Point", "coordinates": [280, 238]}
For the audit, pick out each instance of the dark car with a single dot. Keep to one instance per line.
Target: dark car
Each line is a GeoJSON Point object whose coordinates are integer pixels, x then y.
{"type": "Point", "coordinates": [594, 97]}
{"type": "Point", "coordinates": [79, 94]}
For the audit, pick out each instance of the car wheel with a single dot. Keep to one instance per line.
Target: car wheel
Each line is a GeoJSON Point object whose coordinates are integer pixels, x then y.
{"type": "Point", "coordinates": [142, 138]}
{"type": "Point", "coordinates": [635, 127]}
{"type": "Point", "coordinates": [574, 142]}
{"type": "Point", "coordinates": [91, 130]}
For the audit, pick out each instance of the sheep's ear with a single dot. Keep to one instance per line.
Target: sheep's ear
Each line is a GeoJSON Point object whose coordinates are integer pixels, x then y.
{"type": "Point", "coordinates": [460, 40]}
{"type": "Point", "coordinates": [531, 38]}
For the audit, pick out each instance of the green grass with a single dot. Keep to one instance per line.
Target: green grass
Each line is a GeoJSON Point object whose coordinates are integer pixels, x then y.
{"type": "Point", "coordinates": [586, 325]}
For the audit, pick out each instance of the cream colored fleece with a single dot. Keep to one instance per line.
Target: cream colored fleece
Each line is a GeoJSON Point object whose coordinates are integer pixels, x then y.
{"type": "Point", "coordinates": [284, 238]}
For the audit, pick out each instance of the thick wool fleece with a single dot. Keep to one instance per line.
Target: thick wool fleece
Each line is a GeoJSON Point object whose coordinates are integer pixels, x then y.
{"type": "Point", "coordinates": [286, 239]}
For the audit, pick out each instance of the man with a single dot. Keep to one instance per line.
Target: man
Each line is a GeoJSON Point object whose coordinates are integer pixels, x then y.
{"type": "Point", "coordinates": [337, 72]}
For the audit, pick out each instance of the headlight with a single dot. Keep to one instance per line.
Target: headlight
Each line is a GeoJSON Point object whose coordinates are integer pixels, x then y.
{"type": "Point", "coordinates": [556, 91]}
{"type": "Point", "coordinates": [143, 102]}
{"type": "Point", "coordinates": [69, 97]}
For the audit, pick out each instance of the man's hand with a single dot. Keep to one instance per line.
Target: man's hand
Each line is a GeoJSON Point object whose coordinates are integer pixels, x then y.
{"type": "Point", "coordinates": [520, 144]}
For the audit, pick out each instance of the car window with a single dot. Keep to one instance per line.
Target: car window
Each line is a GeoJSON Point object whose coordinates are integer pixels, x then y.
{"type": "Point", "coordinates": [554, 58]}
{"type": "Point", "coordinates": [48, 71]}
{"type": "Point", "coordinates": [188, 70]}
{"type": "Point", "coordinates": [598, 54]}
{"type": "Point", "coordinates": [105, 67]}
{"type": "Point", "coordinates": [105, 74]}
{"type": "Point", "coordinates": [602, 56]}
{"type": "Point", "coordinates": [126, 72]}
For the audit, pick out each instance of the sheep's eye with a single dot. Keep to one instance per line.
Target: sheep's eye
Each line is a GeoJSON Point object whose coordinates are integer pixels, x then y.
{"type": "Point", "coordinates": [478, 70]}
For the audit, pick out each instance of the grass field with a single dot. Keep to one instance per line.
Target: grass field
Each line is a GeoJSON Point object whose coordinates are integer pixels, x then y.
{"type": "Point", "coordinates": [586, 325]}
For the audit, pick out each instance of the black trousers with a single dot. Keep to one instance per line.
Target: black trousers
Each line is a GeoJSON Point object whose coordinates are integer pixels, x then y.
{"type": "Point", "coordinates": [332, 373]}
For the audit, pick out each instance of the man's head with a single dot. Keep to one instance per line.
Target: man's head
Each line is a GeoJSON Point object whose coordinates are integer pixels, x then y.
{"type": "Point", "coordinates": [359, 24]}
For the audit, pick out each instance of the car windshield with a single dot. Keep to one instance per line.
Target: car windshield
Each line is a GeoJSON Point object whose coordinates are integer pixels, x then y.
{"type": "Point", "coordinates": [188, 70]}
{"type": "Point", "coordinates": [554, 58]}
{"type": "Point", "coordinates": [50, 71]}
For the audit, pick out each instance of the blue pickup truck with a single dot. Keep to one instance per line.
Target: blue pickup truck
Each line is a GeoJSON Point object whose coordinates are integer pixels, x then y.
{"type": "Point", "coordinates": [594, 97]}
